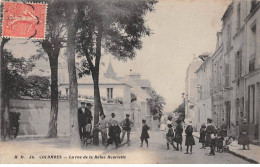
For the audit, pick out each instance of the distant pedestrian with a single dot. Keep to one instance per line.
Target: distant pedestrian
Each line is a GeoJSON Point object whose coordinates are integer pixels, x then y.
{"type": "Point", "coordinates": [189, 142]}
{"type": "Point", "coordinates": [126, 125]}
{"type": "Point", "coordinates": [114, 134]}
{"type": "Point", "coordinates": [219, 140]}
{"type": "Point", "coordinates": [144, 135]}
{"type": "Point", "coordinates": [170, 137]}
{"type": "Point", "coordinates": [243, 138]}
{"type": "Point", "coordinates": [202, 138]}
{"type": "Point", "coordinates": [178, 135]}
{"type": "Point", "coordinates": [211, 136]}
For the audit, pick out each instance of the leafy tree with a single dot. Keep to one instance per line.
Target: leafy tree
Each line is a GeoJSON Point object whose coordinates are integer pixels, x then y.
{"type": "Point", "coordinates": [51, 45]}
{"type": "Point", "coordinates": [13, 83]}
{"type": "Point", "coordinates": [113, 26]}
{"type": "Point", "coordinates": [181, 111]}
{"type": "Point", "coordinates": [37, 86]}
{"type": "Point", "coordinates": [156, 103]}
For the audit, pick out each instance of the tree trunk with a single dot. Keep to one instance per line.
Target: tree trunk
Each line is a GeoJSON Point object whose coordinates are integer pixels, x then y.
{"type": "Point", "coordinates": [52, 133]}
{"type": "Point", "coordinates": [5, 121]}
{"type": "Point", "coordinates": [73, 85]}
{"type": "Point", "coordinates": [98, 109]}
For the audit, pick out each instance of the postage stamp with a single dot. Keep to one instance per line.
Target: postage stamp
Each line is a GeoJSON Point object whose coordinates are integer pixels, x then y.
{"type": "Point", "coordinates": [24, 20]}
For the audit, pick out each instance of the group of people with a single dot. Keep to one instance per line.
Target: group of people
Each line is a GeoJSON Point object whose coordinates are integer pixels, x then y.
{"type": "Point", "coordinates": [174, 135]}
{"type": "Point", "coordinates": [110, 129]}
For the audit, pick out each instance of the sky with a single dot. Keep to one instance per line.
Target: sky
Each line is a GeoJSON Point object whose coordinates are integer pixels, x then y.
{"type": "Point", "coordinates": [181, 30]}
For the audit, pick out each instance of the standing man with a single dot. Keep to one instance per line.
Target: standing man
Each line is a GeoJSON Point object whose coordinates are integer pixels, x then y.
{"type": "Point", "coordinates": [126, 125]}
{"type": "Point", "coordinates": [211, 136]}
{"type": "Point", "coordinates": [111, 119]}
{"type": "Point", "coordinates": [89, 113]}
{"type": "Point", "coordinates": [82, 119]}
{"type": "Point", "coordinates": [103, 125]}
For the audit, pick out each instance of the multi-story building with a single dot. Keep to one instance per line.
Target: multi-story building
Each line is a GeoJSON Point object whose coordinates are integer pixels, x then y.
{"type": "Point", "coordinates": [217, 86]}
{"type": "Point", "coordinates": [204, 81]}
{"type": "Point", "coordinates": [241, 42]}
{"type": "Point", "coordinates": [191, 90]}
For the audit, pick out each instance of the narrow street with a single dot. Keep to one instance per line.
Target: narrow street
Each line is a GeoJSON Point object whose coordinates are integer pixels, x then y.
{"type": "Point", "coordinates": [156, 153]}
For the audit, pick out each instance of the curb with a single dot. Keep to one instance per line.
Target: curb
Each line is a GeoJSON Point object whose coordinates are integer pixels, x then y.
{"type": "Point", "coordinates": [243, 157]}
{"type": "Point", "coordinates": [238, 155]}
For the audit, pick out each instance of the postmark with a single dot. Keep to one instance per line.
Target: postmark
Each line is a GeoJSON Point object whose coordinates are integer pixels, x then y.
{"type": "Point", "coordinates": [24, 20]}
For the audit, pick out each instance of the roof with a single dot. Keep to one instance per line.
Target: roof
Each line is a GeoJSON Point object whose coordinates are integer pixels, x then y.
{"type": "Point", "coordinates": [87, 80]}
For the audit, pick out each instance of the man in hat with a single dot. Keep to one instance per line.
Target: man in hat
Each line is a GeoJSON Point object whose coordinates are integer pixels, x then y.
{"type": "Point", "coordinates": [111, 119]}
{"type": "Point", "coordinates": [82, 119]}
{"type": "Point", "coordinates": [103, 125]}
{"type": "Point", "coordinates": [126, 125]}
{"type": "Point", "coordinates": [211, 136]}
{"type": "Point", "coordinates": [178, 134]}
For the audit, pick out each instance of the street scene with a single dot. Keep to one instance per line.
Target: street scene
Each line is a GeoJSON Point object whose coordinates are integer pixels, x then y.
{"type": "Point", "coordinates": [130, 82]}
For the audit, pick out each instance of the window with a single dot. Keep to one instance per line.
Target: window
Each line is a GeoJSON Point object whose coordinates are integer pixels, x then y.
{"type": "Point", "coordinates": [251, 104]}
{"type": "Point", "coordinates": [67, 91]}
{"type": "Point", "coordinates": [252, 65]}
{"type": "Point", "coordinates": [253, 5]}
{"type": "Point", "coordinates": [227, 75]}
{"type": "Point", "coordinates": [238, 16]}
{"type": "Point", "coordinates": [109, 93]}
{"type": "Point", "coordinates": [237, 102]}
{"type": "Point", "coordinates": [238, 64]}
{"type": "Point", "coordinates": [228, 37]}
{"type": "Point", "coordinates": [228, 112]}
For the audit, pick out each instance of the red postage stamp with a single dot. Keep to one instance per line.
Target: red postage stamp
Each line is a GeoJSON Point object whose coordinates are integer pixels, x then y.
{"type": "Point", "coordinates": [24, 20]}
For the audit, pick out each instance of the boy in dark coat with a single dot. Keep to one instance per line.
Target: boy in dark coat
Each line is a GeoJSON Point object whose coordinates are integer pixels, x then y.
{"type": "Point", "coordinates": [202, 138]}
{"type": "Point", "coordinates": [144, 135]}
{"type": "Point", "coordinates": [220, 139]}
{"type": "Point", "coordinates": [243, 138]}
{"type": "Point", "coordinates": [170, 137]}
{"type": "Point", "coordinates": [189, 142]}
{"type": "Point", "coordinates": [114, 134]}
{"type": "Point", "coordinates": [178, 134]}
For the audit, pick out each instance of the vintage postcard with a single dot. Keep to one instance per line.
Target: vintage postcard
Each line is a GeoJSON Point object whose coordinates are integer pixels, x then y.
{"type": "Point", "coordinates": [130, 82]}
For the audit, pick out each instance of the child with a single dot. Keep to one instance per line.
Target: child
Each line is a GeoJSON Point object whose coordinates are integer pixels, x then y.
{"type": "Point", "coordinates": [170, 137]}
{"type": "Point", "coordinates": [202, 138]}
{"type": "Point", "coordinates": [114, 134]}
{"type": "Point", "coordinates": [178, 135]}
{"type": "Point", "coordinates": [189, 139]}
{"type": "Point", "coordinates": [220, 139]}
{"type": "Point", "coordinates": [144, 136]}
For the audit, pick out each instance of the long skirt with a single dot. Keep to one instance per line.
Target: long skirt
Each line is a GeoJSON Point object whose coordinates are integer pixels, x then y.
{"type": "Point", "coordinates": [243, 139]}
{"type": "Point", "coordinates": [189, 140]}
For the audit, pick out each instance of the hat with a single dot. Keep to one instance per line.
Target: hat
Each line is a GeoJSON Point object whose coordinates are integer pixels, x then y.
{"type": "Point", "coordinates": [82, 103]}
{"type": "Point", "coordinates": [143, 121]}
{"type": "Point", "coordinates": [209, 119]}
{"type": "Point", "coordinates": [127, 115]}
{"type": "Point", "coordinates": [169, 125]}
{"type": "Point", "coordinates": [89, 104]}
{"type": "Point", "coordinates": [103, 115]}
{"type": "Point", "coordinates": [113, 114]}
{"type": "Point", "coordinates": [178, 121]}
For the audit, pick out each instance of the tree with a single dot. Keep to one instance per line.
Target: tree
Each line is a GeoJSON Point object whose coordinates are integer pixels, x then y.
{"type": "Point", "coordinates": [36, 86]}
{"type": "Point", "coordinates": [114, 26]}
{"type": "Point", "coordinates": [71, 11]}
{"type": "Point", "coordinates": [181, 111]}
{"type": "Point", "coordinates": [52, 44]}
{"type": "Point", "coordinates": [13, 83]}
{"type": "Point", "coordinates": [156, 103]}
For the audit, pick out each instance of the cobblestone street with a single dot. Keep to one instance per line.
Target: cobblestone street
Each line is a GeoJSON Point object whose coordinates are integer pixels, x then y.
{"type": "Point", "coordinates": [156, 153]}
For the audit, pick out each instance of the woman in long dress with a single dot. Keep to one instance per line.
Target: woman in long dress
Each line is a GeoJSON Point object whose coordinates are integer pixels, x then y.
{"type": "Point", "coordinates": [243, 138]}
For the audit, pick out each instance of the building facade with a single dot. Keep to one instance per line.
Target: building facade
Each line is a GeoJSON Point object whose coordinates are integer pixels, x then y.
{"type": "Point", "coordinates": [191, 91]}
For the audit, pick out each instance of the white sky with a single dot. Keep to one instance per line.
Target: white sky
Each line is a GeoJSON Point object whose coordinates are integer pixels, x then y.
{"type": "Point", "coordinates": [181, 29]}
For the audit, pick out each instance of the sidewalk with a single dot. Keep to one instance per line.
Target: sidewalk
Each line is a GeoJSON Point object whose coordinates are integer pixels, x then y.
{"type": "Point", "coordinates": [251, 155]}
